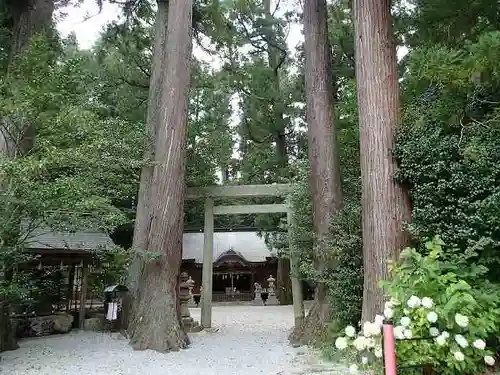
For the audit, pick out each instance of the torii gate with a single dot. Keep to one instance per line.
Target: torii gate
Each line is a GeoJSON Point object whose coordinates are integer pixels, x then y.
{"type": "Point", "coordinates": [240, 191]}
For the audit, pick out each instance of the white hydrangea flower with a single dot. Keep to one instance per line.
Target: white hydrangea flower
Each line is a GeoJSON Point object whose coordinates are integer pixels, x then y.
{"type": "Point", "coordinates": [366, 329]}
{"type": "Point", "coordinates": [432, 317]}
{"type": "Point", "coordinates": [461, 320]}
{"type": "Point", "coordinates": [378, 352]}
{"type": "Point", "coordinates": [341, 343]}
{"type": "Point", "coordinates": [370, 343]}
{"type": "Point", "coordinates": [388, 313]}
{"type": "Point", "coordinates": [459, 356]}
{"type": "Point", "coordinates": [353, 368]}
{"type": "Point", "coordinates": [434, 332]}
{"type": "Point", "coordinates": [427, 302]}
{"type": "Point", "coordinates": [408, 333]}
{"type": "Point", "coordinates": [360, 343]}
{"type": "Point", "coordinates": [379, 319]}
{"type": "Point", "coordinates": [461, 341]}
{"type": "Point", "coordinates": [350, 331]}
{"type": "Point", "coordinates": [405, 321]}
{"type": "Point", "coordinates": [370, 329]}
{"type": "Point", "coordinates": [399, 332]}
{"type": "Point", "coordinates": [364, 360]}
{"type": "Point", "coordinates": [445, 334]}
{"type": "Point", "coordinates": [414, 302]}
{"type": "Point", "coordinates": [441, 340]}
{"type": "Point", "coordinates": [489, 360]}
{"type": "Point", "coordinates": [479, 344]}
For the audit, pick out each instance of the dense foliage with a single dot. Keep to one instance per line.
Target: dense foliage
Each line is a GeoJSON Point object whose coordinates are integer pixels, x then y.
{"type": "Point", "coordinates": [86, 112]}
{"type": "Point", "coordinates": [83, 166]}
{"type": "Point", "coordinates": [449, 147]}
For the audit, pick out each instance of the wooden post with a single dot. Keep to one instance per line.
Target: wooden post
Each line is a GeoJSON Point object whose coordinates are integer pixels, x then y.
{"type": "Point", "coordinates": [298, 298]}
{"type": "Point", "coordinates": [70, 292]}
{"type": "Point", "coordinates": [83, 296]}
{"type": "Point", "coordinates": [208, 258]}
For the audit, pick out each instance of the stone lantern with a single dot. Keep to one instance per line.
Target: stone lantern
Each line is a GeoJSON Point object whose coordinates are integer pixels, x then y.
{"type": "Point", "coordinates": [190, 284]}
{"type": "Point", "coordinates": [187, 321]}
{"type": "Point", "coordinates": [271, 300]}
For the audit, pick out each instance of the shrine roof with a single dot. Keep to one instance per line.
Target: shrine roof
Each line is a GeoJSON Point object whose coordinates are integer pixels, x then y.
{"type": "Point", "coordinates": [44, 238]}
{"type": "Point", "coordinates": [247, 244]}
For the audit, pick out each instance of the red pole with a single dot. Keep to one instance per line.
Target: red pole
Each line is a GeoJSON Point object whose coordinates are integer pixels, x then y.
{"type": "Point", "coordinates": [389, 348]}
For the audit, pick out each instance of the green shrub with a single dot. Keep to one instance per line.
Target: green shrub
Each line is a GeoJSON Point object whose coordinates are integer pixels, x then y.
{"type": "Point", "coordinates": [430, 298]}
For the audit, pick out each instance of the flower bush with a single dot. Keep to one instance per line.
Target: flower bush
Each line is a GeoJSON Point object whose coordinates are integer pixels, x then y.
{"type": "Point", "coordinates": [439, 319]}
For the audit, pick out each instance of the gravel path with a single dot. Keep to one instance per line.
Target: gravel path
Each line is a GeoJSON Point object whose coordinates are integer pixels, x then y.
{"type": "Point", "coordinates": [250, 340]}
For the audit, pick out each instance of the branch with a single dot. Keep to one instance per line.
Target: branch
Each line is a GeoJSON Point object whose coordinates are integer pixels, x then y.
{"type": "Point", "coordinates": [134, 84]}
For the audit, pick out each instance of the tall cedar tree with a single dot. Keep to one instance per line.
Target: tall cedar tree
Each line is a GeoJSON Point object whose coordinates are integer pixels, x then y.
{"type": "Point", "coordinates": [156, 320]}
{"type": "Point", "coordinates": [325, 179]}
{"type": "Point", "coordinates": [385, 204]}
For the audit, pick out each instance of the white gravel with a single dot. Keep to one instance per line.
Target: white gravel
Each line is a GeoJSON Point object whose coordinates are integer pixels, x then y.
{"type": "Point", "coordinates": [250, 340]}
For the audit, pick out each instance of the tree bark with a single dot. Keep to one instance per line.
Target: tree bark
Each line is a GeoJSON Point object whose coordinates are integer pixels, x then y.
{"type": "Point", "coordinates": [156, 320]}
{"type": "Point", "coordinates": [284, 281]}
{"type": "Point", "coordinates": [386, 206]}
{"type": "Point", "coordinates": [325, 179]}
{"type": "Point", "coordinates": [29, 18]}
{"type": "Point", "coordinates": [7, 330]}
{"type": "Point", "coordinates": [153, 121]}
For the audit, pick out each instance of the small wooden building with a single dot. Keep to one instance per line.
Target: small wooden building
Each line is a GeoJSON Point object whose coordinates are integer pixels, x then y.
{"type": "Point", "coordinates": [240, 260]}
{"type": "Point", "coordinates": [74, 254]}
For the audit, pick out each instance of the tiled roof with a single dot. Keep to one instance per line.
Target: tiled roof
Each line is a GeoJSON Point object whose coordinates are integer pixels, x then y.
{"type": "Point", "coordinates": [251, 247]}
{"type": "Point", "coordinates": [45, 238]}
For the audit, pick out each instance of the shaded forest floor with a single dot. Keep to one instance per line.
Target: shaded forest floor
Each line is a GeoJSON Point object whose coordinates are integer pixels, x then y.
{"type": "Point", "coordinates": [246, 340]}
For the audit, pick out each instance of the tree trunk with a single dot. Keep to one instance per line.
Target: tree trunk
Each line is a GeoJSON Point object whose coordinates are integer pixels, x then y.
{"type": "Point", "coordinates": [29, 18]}
{"type": "Point", "coordinates": [284, 281]}
{"type": "Point", "coordinates": [143, 213]}
{"type": "Point", "coordinates": [7, 330]}
{"type": "Point", "coordinates": [385, 204]}
{"type": "Point", "coordinates": [156, 320]}
{"type": "Point", "coordinates": [325, 179]}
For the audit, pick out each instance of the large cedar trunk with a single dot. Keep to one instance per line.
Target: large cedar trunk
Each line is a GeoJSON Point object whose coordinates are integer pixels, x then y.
{"type": "Point", "coordinates": [156, 322]}
{"type": "Point", "coordinates": [284, 292]}
{"type": "Point", "coordinates": [325, 181]}
{"type": "Point", "coordinates": [144, 212]}
{"type": "Point", "coordinates": [29, 18]}
{"type": "Point", "coordinates": [385, 204]}
{"type": "Point", "coordinates": [7, 330]}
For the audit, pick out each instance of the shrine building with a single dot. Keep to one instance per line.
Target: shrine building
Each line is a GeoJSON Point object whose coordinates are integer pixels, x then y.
{"type": "Point", "coordinates": [240, 260]}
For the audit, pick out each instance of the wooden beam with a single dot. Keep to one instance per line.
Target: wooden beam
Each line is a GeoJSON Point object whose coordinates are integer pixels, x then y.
{"type": "Point", "coordinates": [208, 258]}
{"type": "Point", "coordinates": [83, 296]}
{"type": "Point", "coordinates": [297, 295]}
{"type": "Point", "coordinates": [250, 209]}
{"type": "Point", "coordinates": [239, 191]}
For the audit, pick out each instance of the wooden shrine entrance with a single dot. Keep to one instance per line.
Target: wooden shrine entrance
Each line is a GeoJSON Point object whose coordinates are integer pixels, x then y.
{"type": "Point", "coordinates": [241, 191]}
